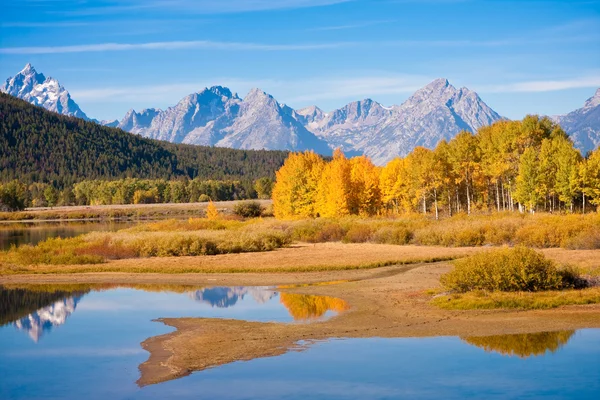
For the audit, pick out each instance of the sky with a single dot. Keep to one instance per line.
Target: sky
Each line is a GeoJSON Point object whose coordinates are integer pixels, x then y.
{"type": "Point", "coordinates": [522, 57]}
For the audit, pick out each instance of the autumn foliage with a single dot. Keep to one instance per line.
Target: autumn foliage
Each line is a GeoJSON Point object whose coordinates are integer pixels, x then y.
{"type": "Point", "coordinates": [527, 165]}
{"type": "Point", "coordinates": [522, 345]}
{"type": "Point", "coordinates": [306, 306]}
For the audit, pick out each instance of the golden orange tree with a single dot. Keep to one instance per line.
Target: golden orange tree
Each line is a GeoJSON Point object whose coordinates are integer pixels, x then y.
{"type": "Point", "coordinates": [295, 189]}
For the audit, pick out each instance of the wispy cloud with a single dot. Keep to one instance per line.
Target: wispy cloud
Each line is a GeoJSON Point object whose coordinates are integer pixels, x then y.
{"type": "Point", "coordinates": [248, 46]}
{"type": "Point", "coordinates": [349, 26]}
{"type": "Point", "coordinates": [60, 24]}
{"type": "Point", "coordinates": [543, 86]}
{"type": "Point", "coordinates": [198, 6]}
{"type": "Point", "coordinates": [175, 45]}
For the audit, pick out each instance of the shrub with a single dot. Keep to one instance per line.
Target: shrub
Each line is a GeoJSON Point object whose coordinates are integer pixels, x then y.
{"type": "Point", "coordinates": [107, 250]}
{"type": "Point", "coordinates": [585, 240]}
{"type": "Point", "coordinates": [392, 235]}
{"type": "Point", "coordinates": [358, 234]}
{"type": "Point", "coordinates": [557, 230]}
{"type": "Point", "coordinates": [318, 231]}
{"type": "Point", "coordinates": [507, 270]}
{"type": "Point", "coordinates": [248, 209]}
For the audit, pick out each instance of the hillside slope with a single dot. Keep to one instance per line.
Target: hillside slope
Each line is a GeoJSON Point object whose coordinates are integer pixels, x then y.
{"type": "Point", "coordinates": [37, 145]}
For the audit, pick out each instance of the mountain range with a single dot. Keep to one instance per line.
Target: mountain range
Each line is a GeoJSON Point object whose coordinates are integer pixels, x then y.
{"type": "Point", "coordinates": [217, 117]}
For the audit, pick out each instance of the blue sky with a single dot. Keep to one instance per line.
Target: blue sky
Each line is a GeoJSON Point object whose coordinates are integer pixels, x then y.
{"type": "Point", "coordinates": [520, 56]}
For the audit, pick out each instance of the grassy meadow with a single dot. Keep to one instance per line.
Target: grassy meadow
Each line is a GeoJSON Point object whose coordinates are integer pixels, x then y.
{"type": "Point", "coordinates": [230, 234]}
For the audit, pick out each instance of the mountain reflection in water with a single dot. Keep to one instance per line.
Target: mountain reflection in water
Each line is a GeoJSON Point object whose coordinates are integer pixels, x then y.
{"type": "Point", "coordinates": [44, 319]}
{"type": "Point", "coordinates": [301, 307]}
{"type": "Point", "coordinates": [38, 309]}
{"type": "Point", "coordinates": [224, 297]}
{"type": "Point", "coordinates": [522, 345]}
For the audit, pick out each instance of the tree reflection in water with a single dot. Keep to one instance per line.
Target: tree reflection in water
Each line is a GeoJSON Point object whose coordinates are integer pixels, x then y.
{"type": "Point", "coordinates": [522, 345]}
{"type": "Point", "coordinates": [306, 307]}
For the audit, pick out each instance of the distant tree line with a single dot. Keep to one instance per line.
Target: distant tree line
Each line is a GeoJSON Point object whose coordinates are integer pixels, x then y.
{"type": "Point", "coordinates": [15, 195]}
{"type": "Point", "coordinates": [523, 165]}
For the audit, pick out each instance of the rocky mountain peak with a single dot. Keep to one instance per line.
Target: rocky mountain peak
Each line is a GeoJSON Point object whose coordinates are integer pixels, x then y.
{"type": "Point", "coordinates": [35, 88]}
{"type": "Point", "coordinates": [593, 101]}
{"type": "Point", "coordinates": [583, 124]}
{"type": "Point", "coordinates": [257, 95]}
{"type": "Point", "coordinates": [28, 69]}
{"type": "Point", "coordinates": [310, 115]}
{"type": "Point", "coordinates": [436, 91]}
{"type": "Point", "coordinates": [221, 91]}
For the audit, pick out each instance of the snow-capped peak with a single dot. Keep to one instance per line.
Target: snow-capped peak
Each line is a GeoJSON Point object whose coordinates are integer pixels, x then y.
{"type": "Point", "coordinates": [35, 88]}
{"type": "Point", "coordinates": [28, 69]}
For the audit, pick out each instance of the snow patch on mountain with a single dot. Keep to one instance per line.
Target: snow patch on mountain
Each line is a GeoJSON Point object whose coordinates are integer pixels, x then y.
{"type": "Point", "coordinates": [35, 88]}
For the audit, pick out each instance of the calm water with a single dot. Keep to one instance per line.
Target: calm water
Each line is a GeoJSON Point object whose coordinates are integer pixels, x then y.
{"type": "Point", "coordinates": [84, 342]}
{"type": "Point", "coordinates": [32, 233]}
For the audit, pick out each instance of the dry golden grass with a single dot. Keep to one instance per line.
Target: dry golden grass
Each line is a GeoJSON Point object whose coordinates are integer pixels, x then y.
{"type": "Point", "coordinates": [517, 300]}
{"type": "Point", "coordinates": [587, 261]}
{"type": "Point", "coordinates": [299, 258]}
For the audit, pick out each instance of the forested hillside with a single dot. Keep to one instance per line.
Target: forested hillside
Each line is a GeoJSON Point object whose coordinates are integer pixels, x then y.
{"type": "Point", "coordinates": [43, 147]}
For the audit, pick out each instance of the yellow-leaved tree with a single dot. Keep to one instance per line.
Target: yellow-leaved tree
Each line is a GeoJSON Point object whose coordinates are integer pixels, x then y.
{"type": "Point", "coordinates": [589, 175]}
{"type": "Point", "coordinates": [366, 193]}
{"type": "Point", "coordinates": [295, 189]}
{"type": "Point", "coordinates": [211, 211]}
{"type": "Point", "coordinates": [394, 183]}
{"type": "Point", "coordinates": [334, 198]}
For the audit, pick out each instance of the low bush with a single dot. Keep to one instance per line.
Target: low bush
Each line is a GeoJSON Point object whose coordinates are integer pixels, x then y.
{"type": "Point", "coordinates": [54, 251]}
{"type": "Point", "coordinates": [358, 234]}
{"type": "Point", "coordinates": [248, 209]}
{"type": "Point", "coordinates": [399, 235]}
{"type": "Point", "coordinates": [588, 239]}
{"type": "Point", "coordinates": [318, 231]}
{"type": "Point", "coordinates": [507, 270]}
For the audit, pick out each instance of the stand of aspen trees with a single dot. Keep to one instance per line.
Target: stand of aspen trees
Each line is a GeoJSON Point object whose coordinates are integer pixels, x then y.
{"type": "Point", "coordinates": [526, 165]}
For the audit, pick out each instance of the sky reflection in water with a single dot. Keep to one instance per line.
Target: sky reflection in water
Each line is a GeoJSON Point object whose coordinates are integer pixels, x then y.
{"type": "Point", "coordinates": [86, 344]}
